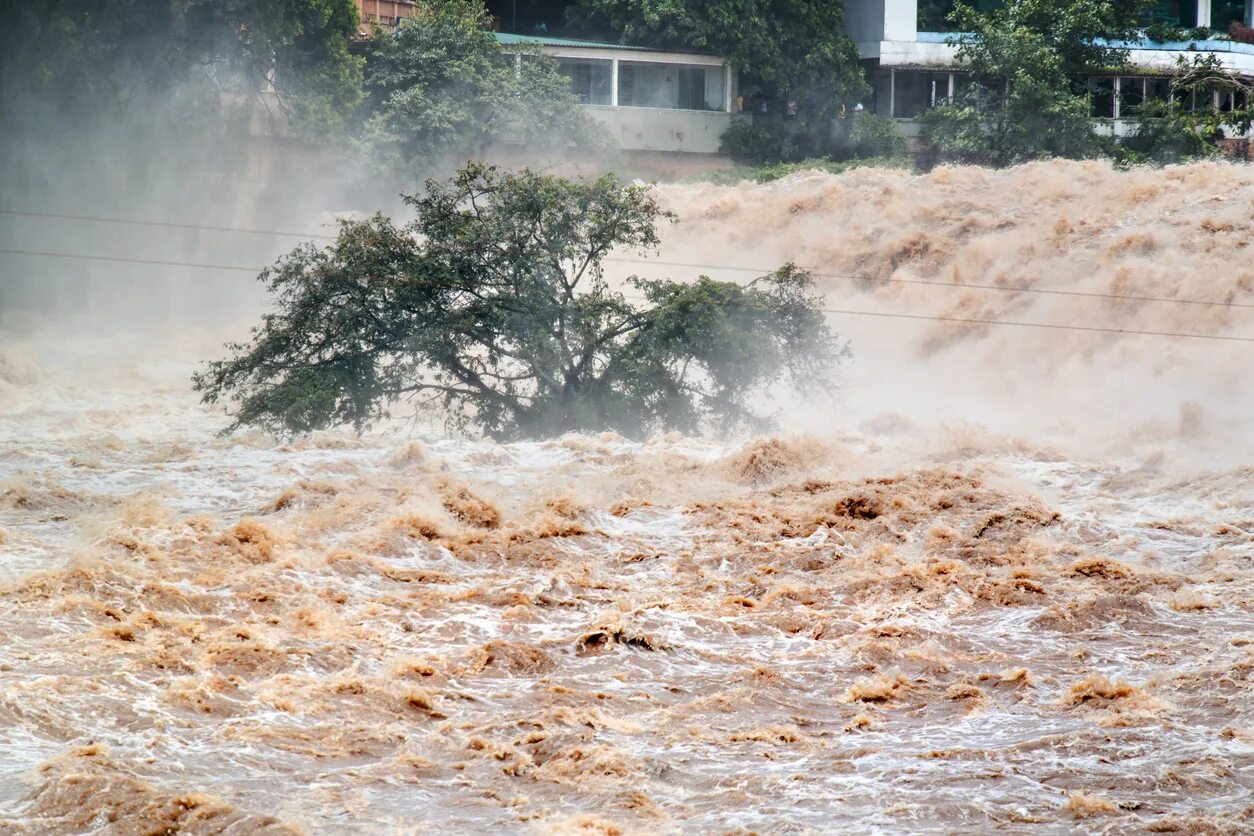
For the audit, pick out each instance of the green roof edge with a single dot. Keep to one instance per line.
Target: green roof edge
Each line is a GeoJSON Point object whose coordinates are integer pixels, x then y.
{"type": "Point", "coordinates": [509, 39]}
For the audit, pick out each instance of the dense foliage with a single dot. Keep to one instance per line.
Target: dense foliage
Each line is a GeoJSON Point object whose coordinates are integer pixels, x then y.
{"type": "Point", "coordinates": [772, 141]}
{"type": "Point", "coordinates": [777, 171]}
{"type": "Point", "coordinates": [784, 48]}
{"type": "Point", "coordinates": [1188, 125]}
{"type": "Point", "coordinates": [492, 308]}
{"type": "Point", "coordinates": [100, 60]}
{"type": "Point", "coordinates": [1028, 60]}
{"type": "Point", "coordinates": [761, 142]}
{"type": "Point", "coordinates": [866, 134]}
{"type": "Point", "coordinates": [1162, 32]}
{"type": "Point", "coordinates": [439, 89]}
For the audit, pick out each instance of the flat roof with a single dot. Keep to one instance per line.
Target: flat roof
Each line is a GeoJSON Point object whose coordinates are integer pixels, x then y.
{"type": "Point", "coordinates": [507, 39]}
{"type": "Point", "coordinates": [1190, 45]}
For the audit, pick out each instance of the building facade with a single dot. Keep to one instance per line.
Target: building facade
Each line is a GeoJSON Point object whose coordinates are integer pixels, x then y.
{"type": "Point", "coordinates": [382, 15]}
{"type": "Point", "coordinates": [911, 66]}
{"type": "Point", "coordinates": [649, 100]}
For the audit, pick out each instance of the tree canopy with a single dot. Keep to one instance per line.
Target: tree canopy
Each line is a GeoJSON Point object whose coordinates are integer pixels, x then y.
{"type": "Point", "coordinates": [1187, 125]}
{"type": "Point", "coordinates": [101, 58]}
{"type": "Point", "coordinates": [439, 89]}
{"type": "Point", "coordinates": [491, 308]}
{"type": "Point", "coordinates": [794, 48]}
{"type": "Point", "coordinates": [1027, 60]}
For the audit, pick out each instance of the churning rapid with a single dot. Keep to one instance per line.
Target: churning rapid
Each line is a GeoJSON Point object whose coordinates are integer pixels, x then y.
{"type": "Point", "coordinates": [1000, 580]}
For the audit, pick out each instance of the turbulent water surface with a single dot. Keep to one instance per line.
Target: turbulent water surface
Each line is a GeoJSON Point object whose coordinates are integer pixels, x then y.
{"type": "Point", "coordinates": [1000, 581]}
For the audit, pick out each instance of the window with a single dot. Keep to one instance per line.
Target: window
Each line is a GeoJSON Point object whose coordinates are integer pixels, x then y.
{"type": "Point", "coordinates": [938, 84]}
{"type": "Point", "coordinates": [1157, 89]}
{"type": "Point", "coordinates": [933, 15]}
{"type": "Point", "coordinates": [1101, 98]}
{"type": "Point", "coordinates": [670, 86]}
{"type": "Point", "coordinates": [691, 88]}
{"type": "Point", "coordinates": [1131, 94]}
{"type": "Point", "coordinates": [590, 80]}
{"type": "Point", "coordinates": [1202, 98]}
{"type": "Point", "coordinates": [962, 81]}
{"type": "Point", "coordinates": [1172, 12]}
{"type": "Point", "coordinates": [912, 94]}
{"type": "Point", "coordinates": [1223, 13]}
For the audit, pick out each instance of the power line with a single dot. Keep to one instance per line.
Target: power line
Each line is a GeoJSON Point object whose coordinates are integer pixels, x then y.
{"type": "Point", "coordinates": [761, 271]}
{"type": "Point", "coordinates": [964, 286]}
{"type": "Point", "coordinates": [839, 311]}
{"type": "Point", "coordinates": [153, 261]}
{"type": "Point", "coordinates": [1049, 325]}
{"type": "Point", "coordinates": [170, 224]}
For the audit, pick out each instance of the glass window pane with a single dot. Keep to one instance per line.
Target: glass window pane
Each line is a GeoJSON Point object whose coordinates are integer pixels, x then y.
{"type": "Point", "coordinates": [912, 94]}
{"type": "Point", "coordinates": [1102, 98]}
{"type": "Point", "coordinates": [933, 15]}
{"type": "Point", "coordinates": [1223, 13]}
{"type": "Point", "coordinates": [1131, 94]}
{"type": "Point", "coordinates": [590, 80]}
{"type": "Point", "coordinates": [670, 86]}
{"type": "Point", "coordinates": [1172, 12]}
{"type": "Point", "coordinates": [1158, 89]}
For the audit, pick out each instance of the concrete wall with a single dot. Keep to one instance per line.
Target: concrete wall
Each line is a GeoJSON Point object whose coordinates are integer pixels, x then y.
{"type": "Point", "coordinates": [663, 130]}
{"type": "Point", "coordinates": [864, 20]}
{"type": "Point", "coordinates": [658, 129]}
{"type": "Point", "coordinates": [901, 20]}
{"type": "Point", "coordinates": [869, 22]}
{"type": "Point", "coordinates": [914, 53]}
{"type": "Point", "coordinates": [1237, 57]}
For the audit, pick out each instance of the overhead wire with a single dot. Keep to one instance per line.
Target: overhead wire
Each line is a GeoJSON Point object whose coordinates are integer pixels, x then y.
{"type": "Point", "coordinates": [1048, 325]}
{"type": "Point", "coordinates": [128, 260]}
{"type": "Point", "coordinates": [838, 311]}
{"type": "Point", "coordinates": [871, 280]}
{"type": "Point", "coordinates": [169, 224]}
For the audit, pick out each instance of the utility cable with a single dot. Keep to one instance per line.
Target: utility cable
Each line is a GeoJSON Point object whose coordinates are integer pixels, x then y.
{"type": "Point", "coordinates": [961, 320]}
{"type": "Point", "coordinates": [170, 224]}
{"type": "Point", "coordinates": [1049, 325]}
{"type": "Point", "coordinates": [964, 286]}
{"type": "Point", "coordinates": [115, 258]}
{"type": "Point", "coordinates": [696, 266]}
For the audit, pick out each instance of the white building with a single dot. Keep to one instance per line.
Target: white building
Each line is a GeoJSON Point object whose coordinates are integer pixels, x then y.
{"type": "Point", "coordinates": [911, 67]}
{"type": "Point", "coordinates": [650, 100]}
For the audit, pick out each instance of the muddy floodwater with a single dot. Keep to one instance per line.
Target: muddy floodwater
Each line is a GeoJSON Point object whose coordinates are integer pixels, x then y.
{"type": "Point", "coordinates": [876, 621]}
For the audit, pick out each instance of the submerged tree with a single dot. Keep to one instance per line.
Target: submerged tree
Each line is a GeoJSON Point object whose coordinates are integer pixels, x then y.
{"type": "Point", "coordinates": [492, 307]}
{"type": "Point", "coordinates": [440, 90]}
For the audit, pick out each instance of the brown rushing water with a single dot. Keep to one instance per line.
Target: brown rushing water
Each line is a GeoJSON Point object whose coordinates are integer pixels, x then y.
{"type": "Point", "coordinates": [889, 624]}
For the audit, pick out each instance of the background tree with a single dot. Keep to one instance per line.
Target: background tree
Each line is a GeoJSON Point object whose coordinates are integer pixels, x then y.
{"type": "Point", "coordinates": [104, 60]}
{"type": "Point", "coordinates": [783, 48]}
{"type": "Point", "coordinates": [1077, 30]}
{"type": "Point", "coordinates": [440, 90]}
{"type": "Point", "coordinates": [1029, 60]}
{"type": "Point", "coordinates": [492, 306]}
